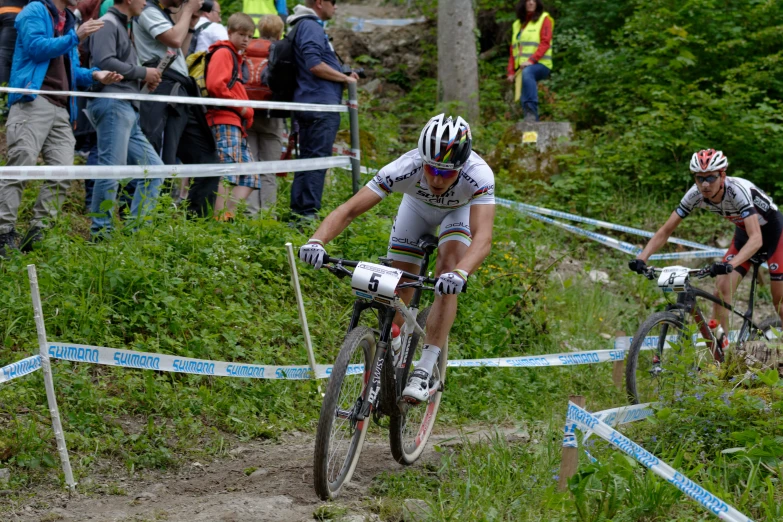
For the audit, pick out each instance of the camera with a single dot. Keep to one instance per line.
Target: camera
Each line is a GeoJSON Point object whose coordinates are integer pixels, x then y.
{"type": "Point", "coordinates": [206, 7]}
{"type": "Point", "coordinates": [348, 70]}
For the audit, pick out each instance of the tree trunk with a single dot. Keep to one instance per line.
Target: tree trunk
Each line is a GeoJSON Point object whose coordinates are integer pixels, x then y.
{"type": "Point", "coordinates": [457, 58]}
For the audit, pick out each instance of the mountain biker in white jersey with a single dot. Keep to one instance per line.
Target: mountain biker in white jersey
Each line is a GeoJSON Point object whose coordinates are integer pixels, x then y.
{"type": "Point", "coordinates": [444, 184]}
{"type": "Point", "coordinates": [758, 221]}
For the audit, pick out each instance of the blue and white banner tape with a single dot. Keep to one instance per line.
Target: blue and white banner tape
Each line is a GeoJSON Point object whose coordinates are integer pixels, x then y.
{"type": "Point", "coordinates": [171, 171]}
{"type": "Point", "coordinates": [525, 361]}
{"type": "Point", "coordinates": [617, 244]}
{"type": "Point", "coordinates": [598, 223]}
{"type": "Point", "coordinates": [172, 363]}
{"type": "Point", "coordinates": [187, 100]}
{"type": "Point", "coordinates": [20, 368]}
{"type": "Point", "coordinates": [358, 24]}
{"type": "Point", "coordinates": [651, 341]}
{"type": "Point", "coordinates": [579, 419]}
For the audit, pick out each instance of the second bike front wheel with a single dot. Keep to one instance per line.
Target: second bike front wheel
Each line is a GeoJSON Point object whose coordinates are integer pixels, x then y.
{"type": "Point", "coordinates": [339, 438]}
{"type": "Point", "coordinates": [648, 371]}
{"type": "Point", "coordinates": [410, 430]}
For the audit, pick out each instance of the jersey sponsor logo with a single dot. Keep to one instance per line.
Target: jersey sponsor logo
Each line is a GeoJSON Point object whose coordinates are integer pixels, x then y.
{"type": "Point", "coordinates": [773, 266]}
{"type": "Point", "coordinates": [470, 180]}
{"type": "Point", "coordinates": [460, 225]}
{"type": "Point", "coordinates": [746, 214]}
{"type": "Point", "coordinates": [682, 213]}
{"type": "Point", "coordinates": [406, 176]}
{"type": "Point", "coordinates": [761, 203]}
{"type": "Point", "coordinates": [729, 257]}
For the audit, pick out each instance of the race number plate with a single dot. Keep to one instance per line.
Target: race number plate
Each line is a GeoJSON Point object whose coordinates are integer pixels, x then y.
{"type": "Point", "coordinates": [673, 279]}
{"type": "Point", "coordinates": [375, 282]}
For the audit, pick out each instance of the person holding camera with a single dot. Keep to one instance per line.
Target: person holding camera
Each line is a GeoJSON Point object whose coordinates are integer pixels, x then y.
{"type": "Point", "coordinates": [177, 130]}
{"type": "Point", "coordinates": [319, 79]}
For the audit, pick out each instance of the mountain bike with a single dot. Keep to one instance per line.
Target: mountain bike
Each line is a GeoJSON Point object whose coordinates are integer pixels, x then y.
{"type": "Point", "coordinates": [368, 376]}
{"type": "Point", "coordinates": [662, 339]}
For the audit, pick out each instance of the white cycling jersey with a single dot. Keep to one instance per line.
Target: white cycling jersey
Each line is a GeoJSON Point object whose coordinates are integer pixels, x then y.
{"type": "Point", "coordinates": [474, 186]}
{"type": "Point", "coordinates": [422, 212]}
{"type": "Point", "coordinates": [741, 199]}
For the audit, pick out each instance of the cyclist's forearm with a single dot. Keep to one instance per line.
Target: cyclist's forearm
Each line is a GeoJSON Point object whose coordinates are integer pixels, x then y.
{"type": "Point", "coordinates": [476, 253]}
{"type": "Point", "coordinates": [656, 242]}
{"type": "Point", "coordinates": [747, 251]}
{"type": "Point", "coordinates": [333, 225]}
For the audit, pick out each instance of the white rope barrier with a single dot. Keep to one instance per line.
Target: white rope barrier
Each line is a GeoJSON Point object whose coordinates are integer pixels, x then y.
{"type": "Point", "coordinates": [187, 100]}
{"type": "Point", "coordinates": [171, 171]}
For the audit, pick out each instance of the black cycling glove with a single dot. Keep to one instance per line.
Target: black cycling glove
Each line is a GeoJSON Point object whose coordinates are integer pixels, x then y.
{"type": "Point", "coordinates": [721, 268]}
{"type": "Point", "coordinates": [637, 265]}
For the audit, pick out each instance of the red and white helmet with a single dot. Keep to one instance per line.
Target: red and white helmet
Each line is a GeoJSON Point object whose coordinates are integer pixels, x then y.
{"type": "Point", "coordinates": [708, 160]}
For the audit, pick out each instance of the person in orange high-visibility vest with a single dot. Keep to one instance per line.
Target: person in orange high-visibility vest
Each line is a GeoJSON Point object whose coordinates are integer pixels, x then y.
{"type": "Point", "coordinates": [530, 59]}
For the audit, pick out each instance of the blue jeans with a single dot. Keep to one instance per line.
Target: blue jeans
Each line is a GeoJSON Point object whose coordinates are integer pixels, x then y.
{"type": "Point", "coordinates": [120, 142]}
{"type": "Point", "coordinates": [531, 75]}
{"type": "Point", "coordinates": [317, 132]}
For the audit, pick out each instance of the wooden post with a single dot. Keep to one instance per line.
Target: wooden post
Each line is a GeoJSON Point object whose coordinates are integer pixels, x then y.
{"type": "Point", "coordinates": [618, 368]}
{"type": "Point", "coordinates": [570, 459]}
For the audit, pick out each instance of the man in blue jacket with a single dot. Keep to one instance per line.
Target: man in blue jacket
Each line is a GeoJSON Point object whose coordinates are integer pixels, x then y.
{"type": "Point", "coordinates": [319, 79]}
{"type": "Point", "coordinates": [45, 58]}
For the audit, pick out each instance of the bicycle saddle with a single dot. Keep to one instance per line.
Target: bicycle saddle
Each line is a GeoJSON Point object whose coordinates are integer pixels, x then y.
{"type": "Point", "coordinates": [428, 243]}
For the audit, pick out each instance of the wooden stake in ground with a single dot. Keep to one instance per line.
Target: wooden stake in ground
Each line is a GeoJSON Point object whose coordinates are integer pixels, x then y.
{"type": "Point", "coordinates": [570, 459]}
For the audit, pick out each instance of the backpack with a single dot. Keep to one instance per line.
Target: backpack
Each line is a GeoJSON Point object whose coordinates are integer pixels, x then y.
{"type": "Point", "coordinates": [194, 38]}
{"type": "Point", "coordinates": [257, 59]}
{"type": "Point", "coordinates": [280, 73]}
{"type": "Point", "coordinates": [197, 69]}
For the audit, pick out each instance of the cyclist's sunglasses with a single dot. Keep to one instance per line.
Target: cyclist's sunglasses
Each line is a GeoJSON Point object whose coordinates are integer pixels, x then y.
{"type": "Point", "coordinates": [706, 179]}
{"type": "Point", "coordinates": [443, 173]}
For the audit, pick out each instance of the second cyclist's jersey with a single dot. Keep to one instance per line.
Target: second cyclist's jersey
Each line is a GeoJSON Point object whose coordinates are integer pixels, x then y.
{"type": "Point", "coordinates": [741, 199]}
{"type": "Point", "coordinates": [475, 184]}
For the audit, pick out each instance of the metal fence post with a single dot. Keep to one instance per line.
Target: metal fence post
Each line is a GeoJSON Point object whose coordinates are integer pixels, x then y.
{"type": "Point", "coordinates": [353, 114]}
{"type": "Point", "coordinates": [48, 381]}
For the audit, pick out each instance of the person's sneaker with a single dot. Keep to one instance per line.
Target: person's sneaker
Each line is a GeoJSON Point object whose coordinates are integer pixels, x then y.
{"type": "Point", "coordinates": [418, 388]}
{"type": "Point", "coordinates": [530, 118]}
{"type": "Point", "coordinates": [34, 235]}
{"type": "Point", "coordinates": [8, 243]}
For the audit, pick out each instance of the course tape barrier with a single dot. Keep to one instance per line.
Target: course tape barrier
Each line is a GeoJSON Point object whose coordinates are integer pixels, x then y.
{"type": "Point", "coordinates": [358, 24]}
{"type": "Point", "coordinates": [171, 171]}
{"type": "Point", "coordinates": [598, 223]}
{"type": "Point", "coordinates": [651, 341]}
{"type": "Point", "coordinates": [617, 244]}
{"type": "Point", "coordinates": [173, 363]}
{"type": "Point", "coordinates": [216, 102]}
{"type": "Point", "coordinates": [20, 368]}
{"type": "Point", "coordinates": [580, 419]}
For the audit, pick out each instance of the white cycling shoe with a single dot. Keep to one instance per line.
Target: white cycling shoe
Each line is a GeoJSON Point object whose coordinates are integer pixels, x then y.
{"type": "Point", "coordinates": [418, 388]}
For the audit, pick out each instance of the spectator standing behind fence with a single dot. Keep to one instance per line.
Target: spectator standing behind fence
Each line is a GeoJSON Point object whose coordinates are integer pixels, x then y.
{"type": "Point", "coordinates": [177, 130]}
{"type": "Point", "coordinates": [120, 140]}
{"type": "Point", "coordinates": [208, 30]}
{"type": "Point", "coordinates": [319, 80]}
{"type": "Point", "coordinates": [45, 58]}
{"type": "Point", "coordinates": [531, 54]}
{"type": "Point", "coordinates": [258, 8]}
{"type": "Point", "coordinates": [8, 11]}
{"type": "Point", "coordinates": [229, 124]}
{"type": "Point", "coordinates": [265, 137]}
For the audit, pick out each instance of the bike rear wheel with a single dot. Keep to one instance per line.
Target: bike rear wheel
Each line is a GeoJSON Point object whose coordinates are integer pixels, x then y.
{"type": "Point", "coordinates": [648, 371]}
{"type": "Point", "coordinates": [339, 438]}
{"type": "Point", "coordinates": [410, 430]}
{"type": "Point", "coordinates": [771, 328]}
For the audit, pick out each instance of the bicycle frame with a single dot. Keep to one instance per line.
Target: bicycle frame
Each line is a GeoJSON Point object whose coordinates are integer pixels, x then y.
{"type": "Point", "coordinates": [686, 304]}
{"type": "Point", "coordinates": [386, 316]}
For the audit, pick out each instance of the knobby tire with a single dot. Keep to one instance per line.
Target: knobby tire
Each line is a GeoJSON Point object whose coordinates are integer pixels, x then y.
{"type": "Point", "coordinates": [330, 470]}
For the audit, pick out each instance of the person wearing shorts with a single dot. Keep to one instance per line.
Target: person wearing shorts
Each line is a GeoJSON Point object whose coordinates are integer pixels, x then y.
{"type": "Point", "coordinates": [758, 222]}
{"type": "Point", "coordinates": [447, 190]}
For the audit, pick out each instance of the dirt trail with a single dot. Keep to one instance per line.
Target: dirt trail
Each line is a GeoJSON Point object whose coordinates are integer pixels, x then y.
{"type": "Point", "coordinates": [280, 489]}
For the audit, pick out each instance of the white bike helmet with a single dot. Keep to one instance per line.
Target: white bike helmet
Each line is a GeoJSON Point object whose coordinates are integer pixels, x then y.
{"type": "Point", "coordinates": [708, 160]}
{"type": "Point", "coordinates": [445, 143]}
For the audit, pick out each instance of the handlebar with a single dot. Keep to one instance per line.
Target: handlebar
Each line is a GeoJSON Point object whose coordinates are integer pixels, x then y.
{"type": "Point", "coordinates": [700, 273]}
{"type": "Point", "coordinates": [338, 269]}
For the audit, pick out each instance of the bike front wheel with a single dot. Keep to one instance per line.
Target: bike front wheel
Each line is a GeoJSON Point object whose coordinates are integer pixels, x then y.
{"type": "Point", "coordinates": [654, 349]}
{"type": "Point", "coordinates": [410, 430]}
{"type": "Point", "coordinates": [340, 435]}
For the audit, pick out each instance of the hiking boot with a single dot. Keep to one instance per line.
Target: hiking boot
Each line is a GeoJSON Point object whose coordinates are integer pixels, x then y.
{"type": "Point", "coordinates": [418, 388]}
{"type": "Point", "coordinates": [530, 118]}
{"type": "Point", "coordinates": [34, 235]}
{"type": "Point", "coordinates": [8, 243]}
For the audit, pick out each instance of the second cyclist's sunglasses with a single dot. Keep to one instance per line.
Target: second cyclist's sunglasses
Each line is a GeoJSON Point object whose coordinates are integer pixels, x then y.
{"type": "Point", "coordinates": [706, 179]}
{"type": "Point", "coordinates": [443, 173]}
